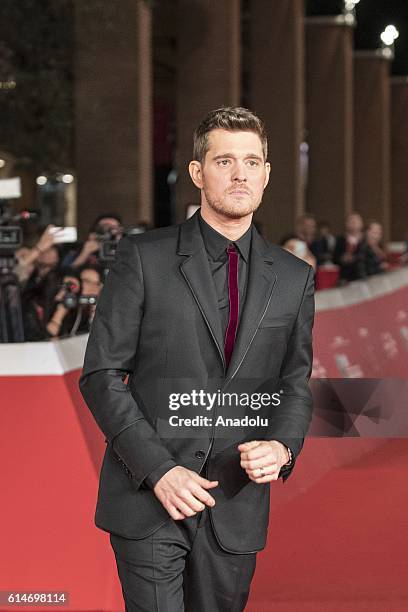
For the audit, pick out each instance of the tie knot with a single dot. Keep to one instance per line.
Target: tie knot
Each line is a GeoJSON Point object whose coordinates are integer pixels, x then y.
{"type": "Point", "coordinates": [231, 248]}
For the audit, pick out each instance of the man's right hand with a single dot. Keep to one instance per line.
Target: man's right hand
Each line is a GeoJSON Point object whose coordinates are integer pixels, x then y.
{"type": "Point", "coordinates": [183, 492]}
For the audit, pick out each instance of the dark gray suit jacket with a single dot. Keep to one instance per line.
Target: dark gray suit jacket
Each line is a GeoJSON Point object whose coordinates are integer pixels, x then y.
{"type": "Point", "coordinates": [157, 319]}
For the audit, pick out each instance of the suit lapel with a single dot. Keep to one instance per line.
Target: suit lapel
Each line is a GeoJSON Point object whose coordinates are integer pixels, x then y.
{"type": "Point", "coordinates": [197, 273]}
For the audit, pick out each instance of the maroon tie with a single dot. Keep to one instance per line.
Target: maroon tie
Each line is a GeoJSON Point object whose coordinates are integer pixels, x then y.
{"type": "Point", "coordinates": [233, 295]}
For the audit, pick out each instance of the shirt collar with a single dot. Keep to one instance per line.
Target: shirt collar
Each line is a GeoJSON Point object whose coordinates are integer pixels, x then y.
{"type": "Point", "coordinates": [216, 244]}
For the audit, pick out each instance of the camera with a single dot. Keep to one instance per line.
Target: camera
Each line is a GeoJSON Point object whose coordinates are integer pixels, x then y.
{"type": "Point", "coordinates": [109, 240]}
{"type": "Point", "coordinates": [11, 239]}
{"type": "Point", "coordinates": [72, 297]}
{"type": "Point", "coordinates": [11, 236]}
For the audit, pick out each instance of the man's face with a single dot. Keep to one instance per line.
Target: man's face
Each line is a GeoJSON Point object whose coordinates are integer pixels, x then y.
{"type": "Point", "coordinates": [110, 224]}
{"type": "Point", "coordinates": [354, 223]}
{"type": "Point", "coordinates": [309, 226]}
{"type": "Point", "coordinates": [233, 175]}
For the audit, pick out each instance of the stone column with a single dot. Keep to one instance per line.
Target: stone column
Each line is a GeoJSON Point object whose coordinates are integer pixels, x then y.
{"type": "Point", "coordinates": [372, 136]}
{"type": "Point", "coordinates": [329, 118]}
{"type": "Point", "coordinates": [113, 110]}
{"type": "Point", "coordinates": [209, 76]}
{"type": "Point", "coordinates": [399, 158]}
{"type": "Point", "coordinates": [276, 93]}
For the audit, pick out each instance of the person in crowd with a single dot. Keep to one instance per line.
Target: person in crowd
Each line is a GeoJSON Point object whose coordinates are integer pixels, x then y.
{"type": "Point", "coordinates": [345, 251]}
{"type": "Point", "coordinates": [324, 245]}
{"type": "Point", "coordinates": [371, 257]}
{"type": "Point", "coordinates": [40, 274]}
{"type": "Point", "coordinates": [62, 316]}
{"type": "Point", "coordinates": [33, 264]}
{"type": "Point", "coordinates": [37, 296]}
{"type": "Point", "coordinates": [75, 319]}
{"type": "Point", "coordinates": [298, 247]}
{"type": "Point", "coordinates": [92, 279]}
{"type": "Point", "coordinates": [306, 228]}
{"type": "Point", "coordinates": [88, 252]}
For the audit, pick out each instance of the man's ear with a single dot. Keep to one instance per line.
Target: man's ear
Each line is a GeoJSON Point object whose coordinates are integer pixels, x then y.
{"type": "Point", "coordinates": [267, 171]}
{"type": "Point", "coordinates": [196, 174]}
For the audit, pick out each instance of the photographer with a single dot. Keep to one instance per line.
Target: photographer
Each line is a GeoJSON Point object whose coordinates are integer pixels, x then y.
{"type": "Point", "coordinates": [28, 277]}
{"type": "Point", "coordinates": [106, 227]}
{"type": "Point", "coordinates": [75, 302]}
{"type": "Point", "coordinates": [59, 322]}
{"type": "Point", "coordinates": [92, 278]}
{"type": "Point", "coordinates": [37, 271]}
{"type": "Point", "coordinates": [38, 261]}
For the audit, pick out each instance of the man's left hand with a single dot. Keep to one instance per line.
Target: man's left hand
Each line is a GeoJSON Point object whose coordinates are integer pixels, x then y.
{"type": "Point", "coordinates": [269, 455]}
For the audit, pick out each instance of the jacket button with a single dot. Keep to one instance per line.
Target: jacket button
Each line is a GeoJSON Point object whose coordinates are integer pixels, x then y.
{"type": "Point", "coordinates": [200, 454]}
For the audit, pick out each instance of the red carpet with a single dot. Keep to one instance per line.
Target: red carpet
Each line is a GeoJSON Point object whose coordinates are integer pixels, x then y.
{"type": "Point", "coordinates": [338, 536]}
{"type": "Point", "coordinates": [342, 544]}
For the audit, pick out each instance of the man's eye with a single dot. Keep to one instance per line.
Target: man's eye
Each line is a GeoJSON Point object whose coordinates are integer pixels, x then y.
{"type": "Point", "coordinates": [223, 162]}
{"type": "Point", "coordinates": [253, 163]}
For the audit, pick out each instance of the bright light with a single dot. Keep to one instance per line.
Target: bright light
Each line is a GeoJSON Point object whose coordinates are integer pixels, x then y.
{"type": "Point", "coordinates": [387, 38]}
{"type": "Point", "coordinates": [389, 35]}
{"type": "Point", "coordinates": [392, 30]}
{"type": "Point", "coordinates": [41, 180]}
{"type": "Point", "coordinates": [350, 4]}
{"type": "Point", "coordinates": [67, 178]}
{"type": "Point", "coordinates": [2, 163]}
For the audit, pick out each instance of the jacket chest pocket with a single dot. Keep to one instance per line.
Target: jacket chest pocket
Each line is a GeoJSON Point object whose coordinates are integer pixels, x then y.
{"type": "Point", "coordinates": [281, 322]}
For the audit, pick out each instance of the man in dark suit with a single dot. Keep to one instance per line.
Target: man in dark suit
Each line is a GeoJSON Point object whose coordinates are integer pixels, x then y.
{"type": "Point", "coordinates": [209, 320]}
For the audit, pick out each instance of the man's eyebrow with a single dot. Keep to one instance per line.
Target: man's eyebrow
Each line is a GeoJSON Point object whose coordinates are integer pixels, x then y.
{"type": "Point", "coordinates": [248, 155]}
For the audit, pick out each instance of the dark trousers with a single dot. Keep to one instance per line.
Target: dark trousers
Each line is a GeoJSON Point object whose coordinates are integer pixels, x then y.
{"type": "Point", "coordinates": [181, 567]}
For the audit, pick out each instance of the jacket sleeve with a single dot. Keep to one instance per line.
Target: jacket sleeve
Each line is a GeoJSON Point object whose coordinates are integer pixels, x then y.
{"type": "Point", "coordinates": [153, 478]}
{"type": "Point", "coordinates": [290, 420]}
{"type": "Point", "coordinates": [110, 356]}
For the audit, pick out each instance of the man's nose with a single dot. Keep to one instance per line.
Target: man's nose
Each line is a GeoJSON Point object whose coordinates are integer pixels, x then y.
{"type": "Point", "coordinates": [239, 172]}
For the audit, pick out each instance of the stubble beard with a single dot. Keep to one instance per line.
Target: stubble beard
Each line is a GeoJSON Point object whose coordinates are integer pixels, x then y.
{"type": "Point", "coordinates": [227, 208]}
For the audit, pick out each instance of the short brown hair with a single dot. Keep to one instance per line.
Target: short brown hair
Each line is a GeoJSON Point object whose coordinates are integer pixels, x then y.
{"type": "Point", "coordinates": [227, 118]}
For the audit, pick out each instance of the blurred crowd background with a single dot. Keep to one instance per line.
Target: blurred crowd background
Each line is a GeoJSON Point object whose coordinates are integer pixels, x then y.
{"type": "Point", "coordinates": [98, 102]}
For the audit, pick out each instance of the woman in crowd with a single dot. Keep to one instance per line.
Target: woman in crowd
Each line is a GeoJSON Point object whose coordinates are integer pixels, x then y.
{"type": "Point", "coordinates": [371, 257]}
